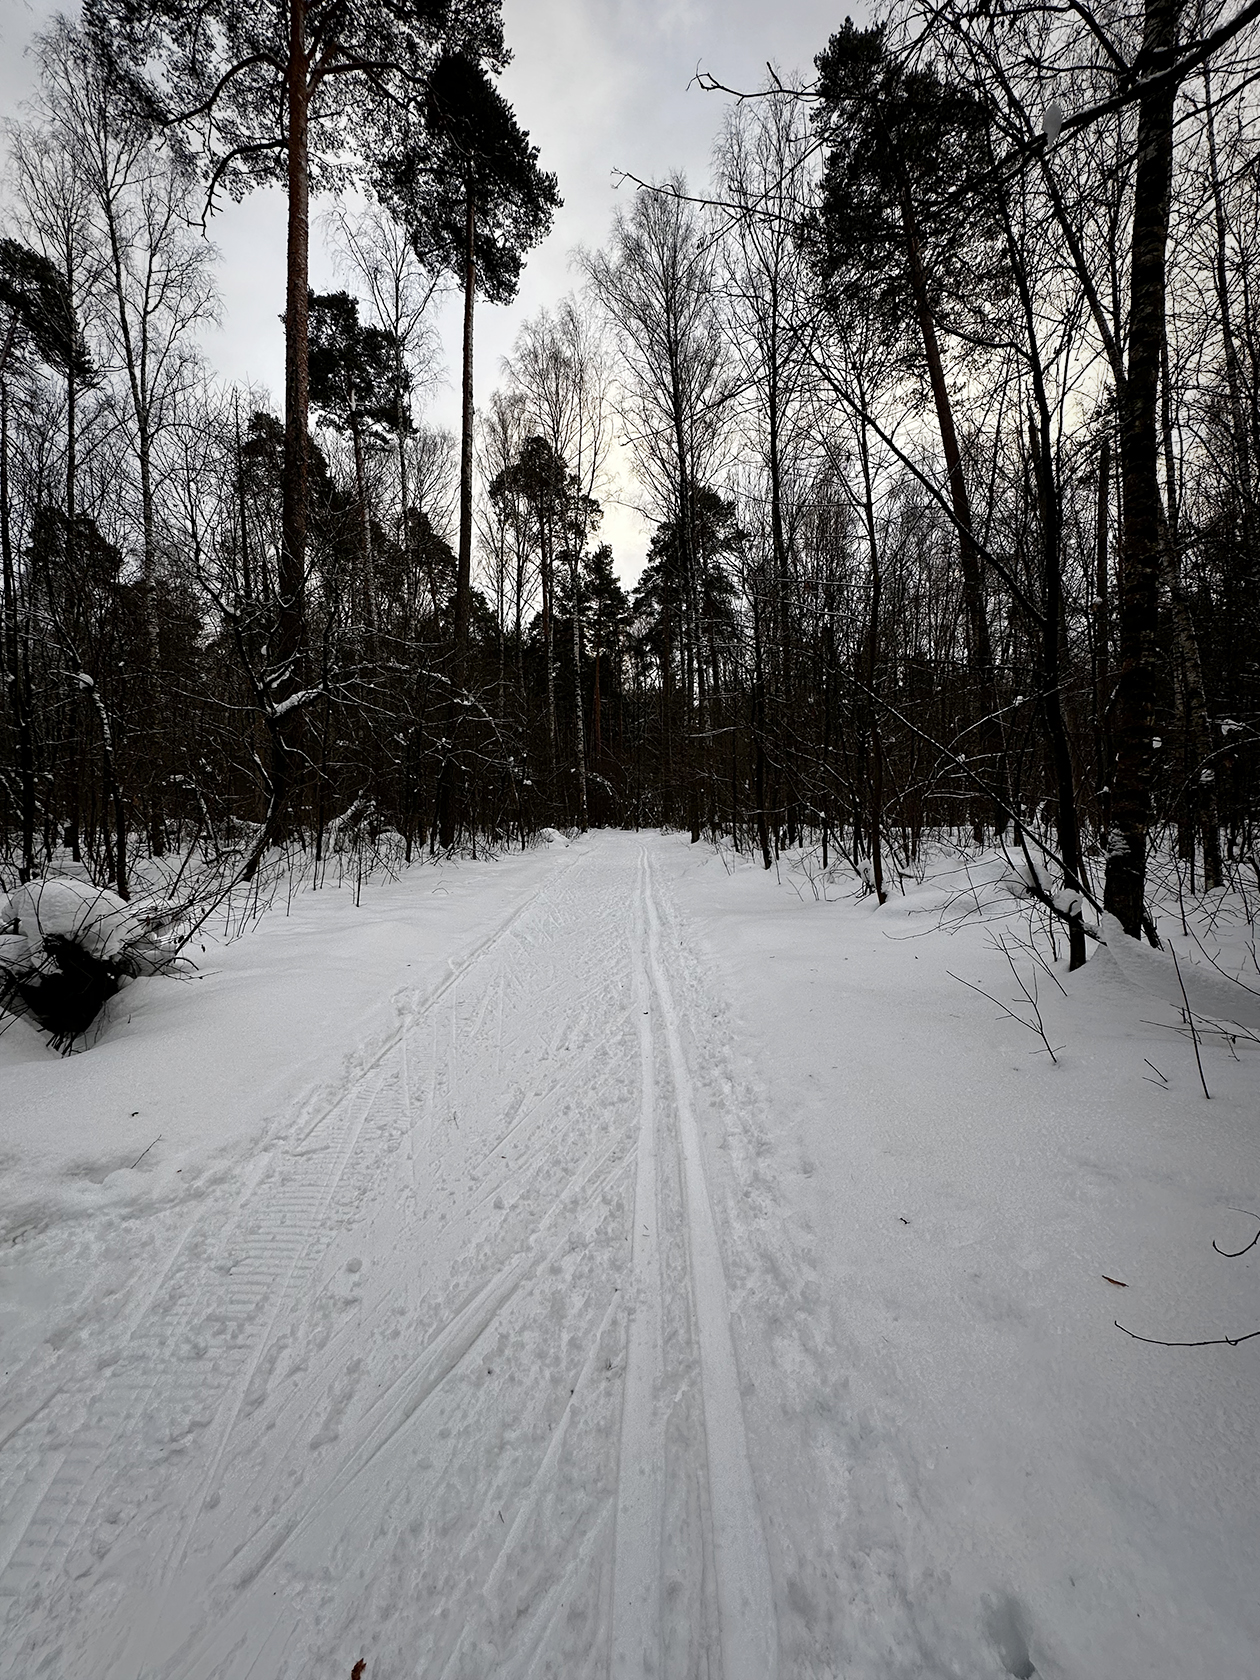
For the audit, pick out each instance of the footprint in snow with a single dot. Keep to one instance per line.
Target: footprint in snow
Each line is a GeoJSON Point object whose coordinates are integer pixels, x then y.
{"type": "Point", "coordinates": [1006, 1623]}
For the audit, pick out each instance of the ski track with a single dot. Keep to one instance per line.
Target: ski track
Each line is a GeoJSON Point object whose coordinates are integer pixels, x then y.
{"type": "Point", "coordinates": [745, 1602]}
{"type": "Point", "coordinates": [446, 1377]}
{"type": "Point", "coordinates": [636, 1616]}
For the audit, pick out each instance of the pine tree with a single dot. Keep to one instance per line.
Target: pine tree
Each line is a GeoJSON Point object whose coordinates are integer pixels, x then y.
{"type": "Point", "coordinates": [307, 94]}
{"type": "Point", "coordinates": [466, 182]}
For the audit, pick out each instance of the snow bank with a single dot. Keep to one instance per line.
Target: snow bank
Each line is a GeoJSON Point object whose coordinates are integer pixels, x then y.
{"type": "Point", "coordinates": [94, 918]}
{"type": "Point", "coordinates": [1210, 993]}
{"type": "Point", "coordinates": [208, 1062]}
{"type": "Point", "coordinates": [969, 1469]}
{"type": "Point", "coordinates": [67, 948]}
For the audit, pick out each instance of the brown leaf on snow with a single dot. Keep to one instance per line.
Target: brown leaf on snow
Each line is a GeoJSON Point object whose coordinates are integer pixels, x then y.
{"type": "Point", "coordinates": [1116, 1281]}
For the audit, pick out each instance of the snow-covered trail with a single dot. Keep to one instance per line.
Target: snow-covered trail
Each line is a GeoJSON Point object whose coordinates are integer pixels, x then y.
{"type": "Point", "coordinates": [446, 1376]}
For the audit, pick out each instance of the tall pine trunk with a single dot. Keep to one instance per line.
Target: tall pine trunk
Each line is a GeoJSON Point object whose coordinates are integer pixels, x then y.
{"type": "Point", "coordinates": [1200, 795]}
{"type": "Point", "coordinates": [1102, 641]}
{"type": "Point", "coordinates": [463, 581]}
{"type": "Point", "coordinates": [18, 698]}
{"type": "Point", "coordinates": [979, 646]}
{"type": "Point", "coordinates": [448, 816]}
{"type": "Point", "coordinates": [579, 722]}
{"type": "Point", "coordinates": [283, 676]}
{"type": "Point", "coordinates": [875, 786]}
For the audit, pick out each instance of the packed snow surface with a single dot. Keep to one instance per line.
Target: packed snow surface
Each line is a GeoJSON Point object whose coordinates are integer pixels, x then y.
{"type": "Point", "coordinates": [618, 1261]}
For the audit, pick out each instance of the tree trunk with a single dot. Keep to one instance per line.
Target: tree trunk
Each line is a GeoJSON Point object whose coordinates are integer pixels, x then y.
{"type": "Point", "coordinates": [463, 581]}
{"type": "Point", "coordinates": [1233, 375]}
{"type": "Point", "coordinates": [1102, 643]}
{"type": "Point", "coordinates": [1053, 621]}
{"type": "Point", "coordinates": [401, 424]}
{"type": "Point", "coordinates": [758, 734]}
{"type": "Point", "coordinates": [242, 509]}
{"type": "Point", "coordinates": [579, 722]}
{"type": "Point", "coordinates": [548, 580]}
{"type": "Point", "coordinates": [778, 538]}
{"type": "Point", "coordinates": [283, 675]}
{"type": "Point", "coordinates": [136, 357]}
{"type": "Point", "coordinates": [667, 700]}
{"type": "Point", "coordinates": [687, 595]}
{"type": "Point", "coordinates": [597, 745]}
{"type": "Point", "coordinates": [979, 647]}
{"type": "Point", "coordinates": [367, 558]}
{"type": "Point", "coordinates": [1052, 639]}
{"type": "Point", "coordinates": [448, 792]}
{"type": "Point", "coordinates": [148, 587]}
{"type": "Point", "coordinates": [18, 698]}
{"type": "Point", "coordinates": [1125, 891]}
{"type": "Point", "coordinates": [876, 782]}
{"type": "Point", "coordinates": [1200, 794]}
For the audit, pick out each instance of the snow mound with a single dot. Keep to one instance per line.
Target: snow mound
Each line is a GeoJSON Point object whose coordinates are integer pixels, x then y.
{"type": "Point", "coordinates": [94, 918]}
{"type": "Point", "coordinates": [1210, 993]}
{"type": "Point", "coordinates": [66, 947]}
{"type": "Point", "coordinates": [1029, 877]}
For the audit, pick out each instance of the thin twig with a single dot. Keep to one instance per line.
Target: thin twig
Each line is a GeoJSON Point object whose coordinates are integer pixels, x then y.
{"type": "Point", "coordinates": [1212, 1341]}
{"type": "Point", "coordinates": [1030, 997]}
{"type": "Point", "coordinates": [1232, 978]}
{"type": "Point", "coordinates": [1190, 1017]}
{"type": "Point", "coordinates": [1234, 1253]}
{"type": "Point", "coordinates": [140, 1157]}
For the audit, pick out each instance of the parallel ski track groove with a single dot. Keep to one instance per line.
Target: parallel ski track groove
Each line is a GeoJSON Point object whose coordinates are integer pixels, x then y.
{"type": "Point", "coordinates": [392, 1411]}
{"type": "Point", "coordinates": [748, 1629]}
{"type": "Point", "coordinates": [575, 1141]}
{"type": "Point", "coordinates": [636, 1606]}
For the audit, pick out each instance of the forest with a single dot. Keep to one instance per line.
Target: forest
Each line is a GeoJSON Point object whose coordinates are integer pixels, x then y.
{"type": "Point", "coordinates": [942, 394]}
{"type": "Point", "coordinates": [645, 874]}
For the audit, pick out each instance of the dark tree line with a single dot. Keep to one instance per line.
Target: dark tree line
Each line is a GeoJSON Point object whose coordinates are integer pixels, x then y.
{"type": "Point", "coordinates": [942, 399]}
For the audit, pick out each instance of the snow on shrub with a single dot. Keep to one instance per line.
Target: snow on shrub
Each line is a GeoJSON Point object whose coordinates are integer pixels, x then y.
{"type": "Point", "coordinates": [66, 947]}
{"type": "Point", "coordinates": [1030, 877]}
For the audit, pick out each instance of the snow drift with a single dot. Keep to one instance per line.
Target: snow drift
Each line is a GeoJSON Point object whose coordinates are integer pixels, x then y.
{"type": "Point", "coordinates": [66, 947]}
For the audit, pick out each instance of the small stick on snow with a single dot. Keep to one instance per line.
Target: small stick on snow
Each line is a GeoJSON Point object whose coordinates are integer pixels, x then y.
{"type": "Point", "coordinates": [1212, 1341]}
{"type": "Point", "coordinates": [140, 1157]}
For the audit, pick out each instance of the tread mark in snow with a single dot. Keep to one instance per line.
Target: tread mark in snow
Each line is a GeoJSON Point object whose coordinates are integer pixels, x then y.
{"type": "Point", "coordinates": [274, 1545]}
{"type": "Point", "coordinates": [67, 1506]}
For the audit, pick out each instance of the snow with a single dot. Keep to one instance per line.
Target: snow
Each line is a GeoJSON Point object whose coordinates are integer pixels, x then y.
{"type": "Point", "coordinates": [615, 1259]}
{"type": "Point", "coordinates": [93, 917]}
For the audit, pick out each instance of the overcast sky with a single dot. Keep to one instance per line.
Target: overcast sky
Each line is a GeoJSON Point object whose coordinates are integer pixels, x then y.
{"type": "Point", "coordinates": [600, 85]}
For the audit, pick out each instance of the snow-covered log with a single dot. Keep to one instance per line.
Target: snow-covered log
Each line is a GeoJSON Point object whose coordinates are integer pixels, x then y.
{"type": "Point", "coordinates": [66, 947]}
